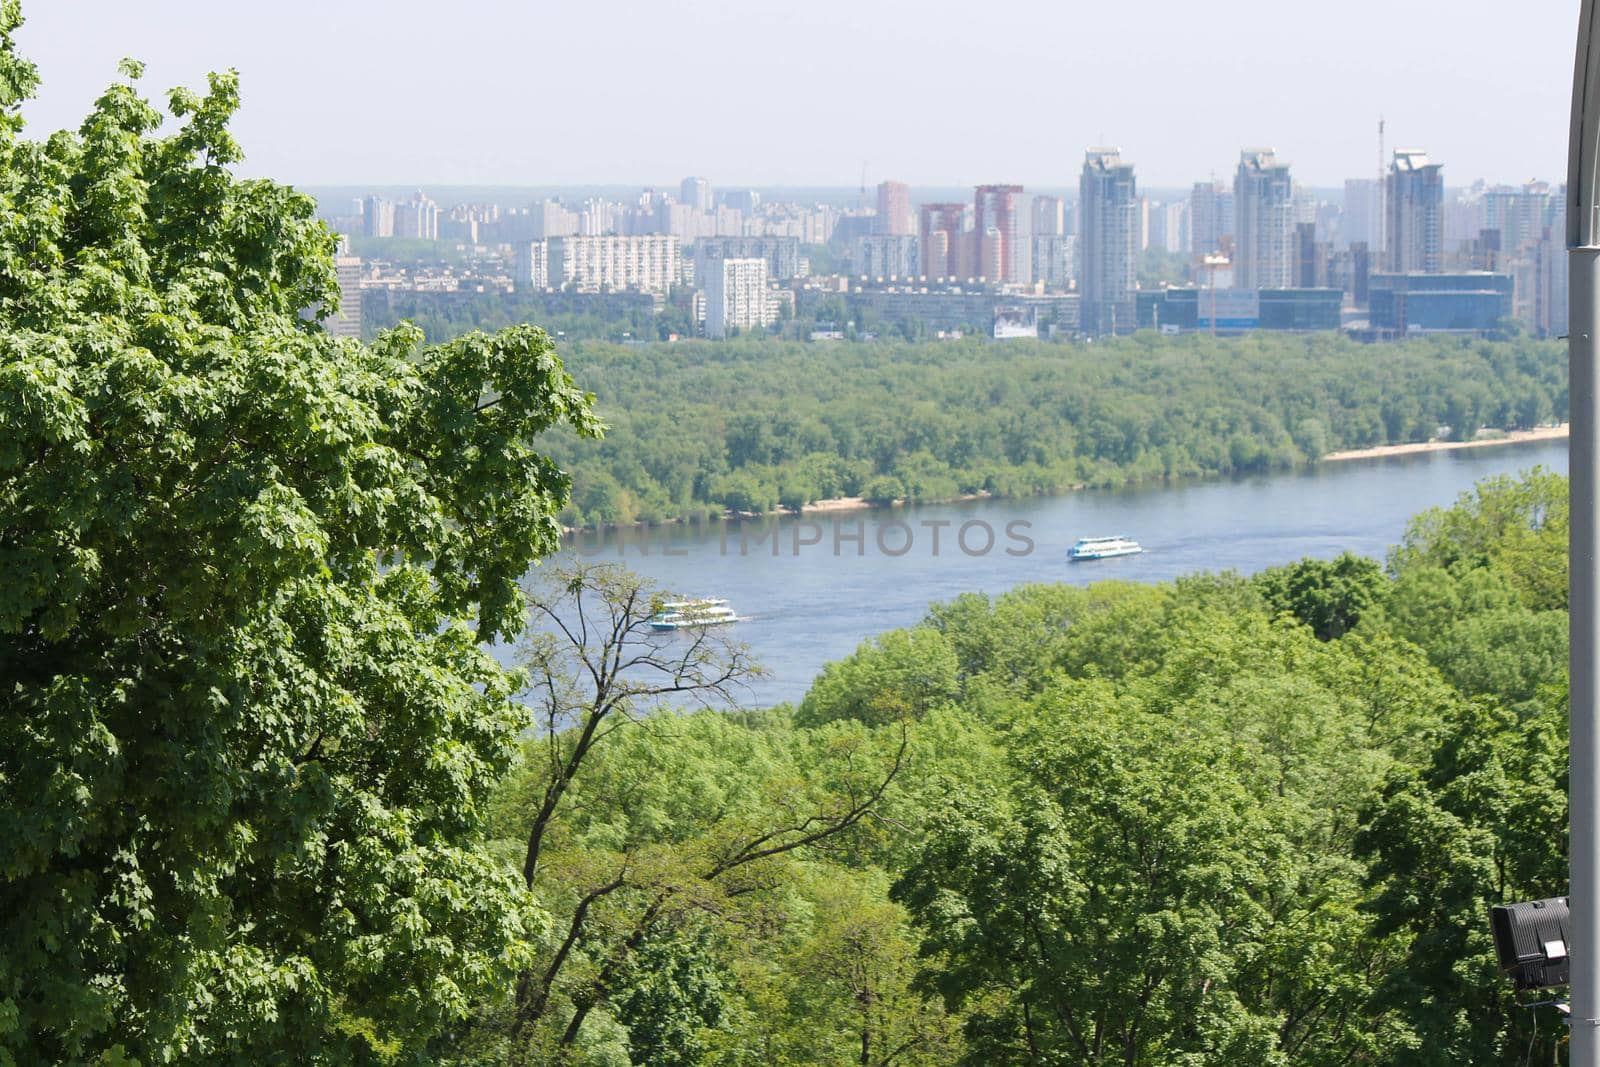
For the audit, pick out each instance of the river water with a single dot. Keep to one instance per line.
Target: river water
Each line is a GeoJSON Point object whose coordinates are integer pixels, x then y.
{"type": "Point", "coordinates": [814, 587]}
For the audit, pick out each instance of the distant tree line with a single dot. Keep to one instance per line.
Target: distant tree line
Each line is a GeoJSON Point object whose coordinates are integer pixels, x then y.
{"type": "Point", "coordinates": [565, 316]}
{"type": "Point", "coordinates": [750, 426]}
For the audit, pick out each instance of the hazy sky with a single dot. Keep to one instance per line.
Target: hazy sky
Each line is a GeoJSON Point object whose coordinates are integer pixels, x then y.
{"type": "Point", "coordinates": [803, 92]}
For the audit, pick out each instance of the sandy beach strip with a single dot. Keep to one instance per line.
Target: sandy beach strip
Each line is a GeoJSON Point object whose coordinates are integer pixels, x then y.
{"type": "Point", "coordinates": [841, 503]}
{"type": "Point", "coordinates": [1515, 437]}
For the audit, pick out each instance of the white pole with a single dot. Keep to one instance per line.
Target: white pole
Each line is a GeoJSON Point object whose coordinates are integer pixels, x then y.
{"type": "Point", "coordinates": [1584, 552]}
{"type": "Point", "coordinates": [1585, 594]}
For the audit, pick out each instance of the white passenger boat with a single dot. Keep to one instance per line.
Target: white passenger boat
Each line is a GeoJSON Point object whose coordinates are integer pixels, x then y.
{"type": "Point", "coordinates": [1088, 548]}
{"type": "Point", "coordinates": [692, 614]}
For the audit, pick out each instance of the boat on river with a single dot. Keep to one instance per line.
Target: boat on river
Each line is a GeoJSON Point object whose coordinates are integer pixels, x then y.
{"type": "Point", "coordinates": [1088, 548]}
{"type": "Point", "coordinates": [693, 614]}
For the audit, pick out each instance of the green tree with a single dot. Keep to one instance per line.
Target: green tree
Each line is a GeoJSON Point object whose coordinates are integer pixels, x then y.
{"type": "Point", "coordinates": [1133, 717]}
{"type": "Point", "coordinates": [854, 996]}
{"type": "Point", "coordinates": [1517, 525]}
{"type": "Point", "coordinates": [1481, 819]}
{"type": "Point", "coordinates": [631, 820]}
{"type": "Point", "coordinates": [250, 722]}
{"type": "Point", "coordinates": [1109, 909]}
{"type": "Point", "coordinates": [1329, 596]}
{"type": "Point", "coordinates": [672, 994]}
{"type": "Point", "coordinates": [903, 674]}
{"type": "Point", "coordinates": [1483, 823]}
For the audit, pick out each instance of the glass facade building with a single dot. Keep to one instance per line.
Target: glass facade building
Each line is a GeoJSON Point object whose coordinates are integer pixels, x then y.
{"type": "Point", "coordinates": [1237, 310]}
{"type": "Point", "coordinates": [1466, 302]}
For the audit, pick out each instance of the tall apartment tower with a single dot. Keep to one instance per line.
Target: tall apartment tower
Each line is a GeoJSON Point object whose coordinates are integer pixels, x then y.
{"type": "Point", "coordinates": [1000, 249]}
{"type": "Point", "coordinates": [1175, 224]}
{"type": "Point", "coordinates": [894, 209]}
{"type": "Point", "coordinates": [1415, 196]}
{"type": "Point", "coordinates": [1049, 216]}
{"type": "Point", "coordinates": [696, 192]}
{"type": "Point", "coordinates": [417, 217]}
{"type": "Point", "coordinates": [532, 266]}
{"type": "Point", "coordinates": [940, 234]}
{"type": "Point", "coordinates": [736, 296]}
{"type": "Point", "coordinates": [1263, 216]}
{"type": "Point", "coordinates": [377, 216]}
{"type": "Point", "coordinates": [1108, 241]}
{"type": "Point", "coordinates": [549, 218]}
{"type": "Point", "coordinates": [347, 323]}
{"type": "Point", "coordinates": [1210, 217]}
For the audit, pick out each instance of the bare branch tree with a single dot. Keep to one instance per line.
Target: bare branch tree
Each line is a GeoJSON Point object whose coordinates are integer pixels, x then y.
{"type": "Point", "coordinates": [595, 664]}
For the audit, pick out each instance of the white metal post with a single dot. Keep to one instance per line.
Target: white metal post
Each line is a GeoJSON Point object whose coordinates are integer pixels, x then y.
{"type": "Point", "coordinates": [1584, 553]}
{"type": "Point", "coordinates": [1583, 842]}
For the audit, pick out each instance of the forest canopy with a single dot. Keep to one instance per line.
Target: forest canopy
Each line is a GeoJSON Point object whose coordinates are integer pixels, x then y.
{"type": "Point", "coordinates": [702, 428]}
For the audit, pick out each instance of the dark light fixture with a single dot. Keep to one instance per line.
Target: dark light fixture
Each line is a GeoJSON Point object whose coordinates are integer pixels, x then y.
{"type": "Point", "coordinates": [1531, 939]}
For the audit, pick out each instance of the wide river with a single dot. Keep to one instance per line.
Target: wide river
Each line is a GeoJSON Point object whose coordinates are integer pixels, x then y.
{"type": "Point", "coordinates": [814, 587]}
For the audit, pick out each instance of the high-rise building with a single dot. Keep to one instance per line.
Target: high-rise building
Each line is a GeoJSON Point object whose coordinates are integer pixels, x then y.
{"type": "Point", "coordinates": [1521, 214]}
{"type": "Point", "coordinates": [781, 253]}
{"type": "Point", "coordinates": [696, 192]}
{"type": "Point", "coordinates": [533, 266]}
{"type": "Point", "coordinates": [745, 200]}
{"type": "Point", "coordinates": [1358, 222]}
{"type": "Point", "coordinates": [1310, 271]}
{"type": "Point", "coordinates": [1049, 216]}
{"type": "Point", "coordinates": [1263, 215]}
{"type": "Point", "coordinates": [1174, 227]}
{"type": "Point", "coordinates": [1550, 316]}
{"type": "Point", "coordinates": [347, 323]}
{"type": "Point", "coordinates": [1000, 253]}
{"type": "Point", "coordinates": [417, 217]}
{"type": "Point", "coordinates": [1055, 259]}
{"type": "Point", "coordinates": [1108, 241]}
{"type": "Point", "coordinates": [598, 216]}
{"type": "Point", "coordinates": [377, 217]}
{"type": "Point", "coordinates": [886, 255]}
{"type": "Point", "coordinates": [1155, 224]}
{"type": "Point", "coordinates": [1415, 197]}
{"type": "Point", "coordinates": [550, 219]}
{"type": "Point", "coordinates": [729, 221]}
{"type": "Point", "coordinates": [684, 221]}
{"type": "Point", "coordinates": [894, 209]}
{"type": "Point", "coordinates": [646, 262]}
{"type": "Point", "coordinates": [1306, 205]}
{"type": "Point", "coordinates": [736, 296]}
{"type": "Point", "coordinates": [940, 237]}
{"type": "Point", "coordinates": [1210, 218]}
{"type": "Point", "coordinates": [848, 226]}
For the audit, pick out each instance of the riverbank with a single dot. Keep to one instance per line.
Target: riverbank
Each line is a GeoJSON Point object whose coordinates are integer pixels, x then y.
{"type": "Point", "coordinates": [815, 507]}
{"type": "Point", "coordinates": [856, 503]}
{"type": "Point", "coordinates": [845, 504]}
{"type": "Point", "coordinates": [1513, 437]}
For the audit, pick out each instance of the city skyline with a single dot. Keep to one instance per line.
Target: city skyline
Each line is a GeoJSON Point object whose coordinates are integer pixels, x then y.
{"type": "Point", "coordinates": [1266, 253]}
{"type": "Point", "coordinates": [1191, 87]}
